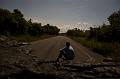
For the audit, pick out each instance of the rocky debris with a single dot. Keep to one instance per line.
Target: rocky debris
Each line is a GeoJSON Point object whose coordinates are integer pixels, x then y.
{"type": "Point", "coordinates": [12, 61]}
{"type": "Point", "coordinates": [8, 42]}
{"type": "Point", "coordinates": [15, 56]}
{"type": "Point", "coordinates": [25, 49]}
{"type": "Point", "coordinates": [3, 38]}
{"type": "Point", "coordinates": [27, 74]}
{"type": "Point", "coordinates": [98, 71]}
{"type": "Point", "coordinates": [21, 46]}
{"type": "Point", "coordinates": [20, 69]}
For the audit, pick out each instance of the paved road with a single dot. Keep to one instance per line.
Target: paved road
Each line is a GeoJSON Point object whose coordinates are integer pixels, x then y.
{"type": "Point", "coordinates": [48, 49]}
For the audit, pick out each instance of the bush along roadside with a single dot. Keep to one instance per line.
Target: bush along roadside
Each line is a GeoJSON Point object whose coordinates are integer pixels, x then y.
{"type": "Point", "coordinates": [105, 49]}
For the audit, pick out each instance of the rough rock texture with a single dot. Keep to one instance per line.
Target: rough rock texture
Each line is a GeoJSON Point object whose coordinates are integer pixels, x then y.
{"type": "Point", "coordinates": [15, 57]}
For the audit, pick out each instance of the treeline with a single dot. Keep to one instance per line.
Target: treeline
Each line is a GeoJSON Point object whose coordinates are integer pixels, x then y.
{"type": "Point", "coordinates": [107, 33]}
{"type": "Point", "coordinates": [76, 32]}
{"type": "Point", "coordinates": [14, 23]}
{"type": "Point", "coordinates": [103, 33]}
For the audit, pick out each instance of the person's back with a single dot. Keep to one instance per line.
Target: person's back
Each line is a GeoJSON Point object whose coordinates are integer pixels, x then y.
{"type": "Point", "coordinates": [67, 52]}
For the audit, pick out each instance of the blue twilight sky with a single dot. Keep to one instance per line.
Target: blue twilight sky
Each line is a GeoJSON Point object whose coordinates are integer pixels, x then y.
{"type": "Point", "coordinates": [64, 13]}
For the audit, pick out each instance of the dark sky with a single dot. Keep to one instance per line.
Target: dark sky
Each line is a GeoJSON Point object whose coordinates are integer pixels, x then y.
{"type": "Point", "coordinates": [64, 13]}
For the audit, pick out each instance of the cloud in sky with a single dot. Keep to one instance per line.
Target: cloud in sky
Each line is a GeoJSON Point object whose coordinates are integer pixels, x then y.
{"type": "Point", "coordinates": [41, 20]}
{"type": "Point", "coordinates": [65, 11]}
{"type": "Point", "coordinates": [63, 27]}
{"type": "Point", "coordinates": [79, 25]}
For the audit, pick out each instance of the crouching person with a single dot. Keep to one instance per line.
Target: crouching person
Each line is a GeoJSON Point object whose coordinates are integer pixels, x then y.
{"type": "Point", "coordinates": [66, 54]}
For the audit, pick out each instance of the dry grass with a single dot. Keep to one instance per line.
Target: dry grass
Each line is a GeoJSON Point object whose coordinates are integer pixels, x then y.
{"type": "Point", "coordinates": [105, 49]}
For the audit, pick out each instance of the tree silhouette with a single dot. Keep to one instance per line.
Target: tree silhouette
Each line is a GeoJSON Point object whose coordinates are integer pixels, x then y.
{"type": "Point", "coordinates": [15, 24]}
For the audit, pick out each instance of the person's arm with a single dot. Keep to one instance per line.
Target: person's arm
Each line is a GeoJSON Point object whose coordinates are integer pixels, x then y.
{"type": "Point", "coordinates": [60, 55]}
{"type": "Point", "coordinates": [71, 48]}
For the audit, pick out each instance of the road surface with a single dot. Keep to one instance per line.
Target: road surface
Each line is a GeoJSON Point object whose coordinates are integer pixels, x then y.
{"type": "Point", "coordinates": [48, 49]}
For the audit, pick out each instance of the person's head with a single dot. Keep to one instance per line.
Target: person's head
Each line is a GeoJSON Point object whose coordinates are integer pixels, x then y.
{"type": "Point", "coordinates": [67, 44]}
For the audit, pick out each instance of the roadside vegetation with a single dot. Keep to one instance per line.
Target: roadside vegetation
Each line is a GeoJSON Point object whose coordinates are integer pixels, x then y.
{"type": "Point", "coordinates": [104, 39]}
{"type": "Point", "coordinates": [103, 48]}
{"type": "Point", "coordinates": [29, 38]}
{"type": "Point", "coordinates": [13, 24]}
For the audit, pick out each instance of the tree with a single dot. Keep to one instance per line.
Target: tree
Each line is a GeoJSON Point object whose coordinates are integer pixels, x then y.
{"type": "Point", "coordinates": [22, 24]}
{"type": "Point", "coordinates": [4, 20]}
{"type": "Point", "coordinates": [18, 13]}
{"type": "Point", "coordinates": [114, 20]}
{"type": "Point", "coordinates": [13, 23]}
{"type": "Point", "coordinates": [76, 32]}
{"type": "Point", "coordinates": [51, 30]}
